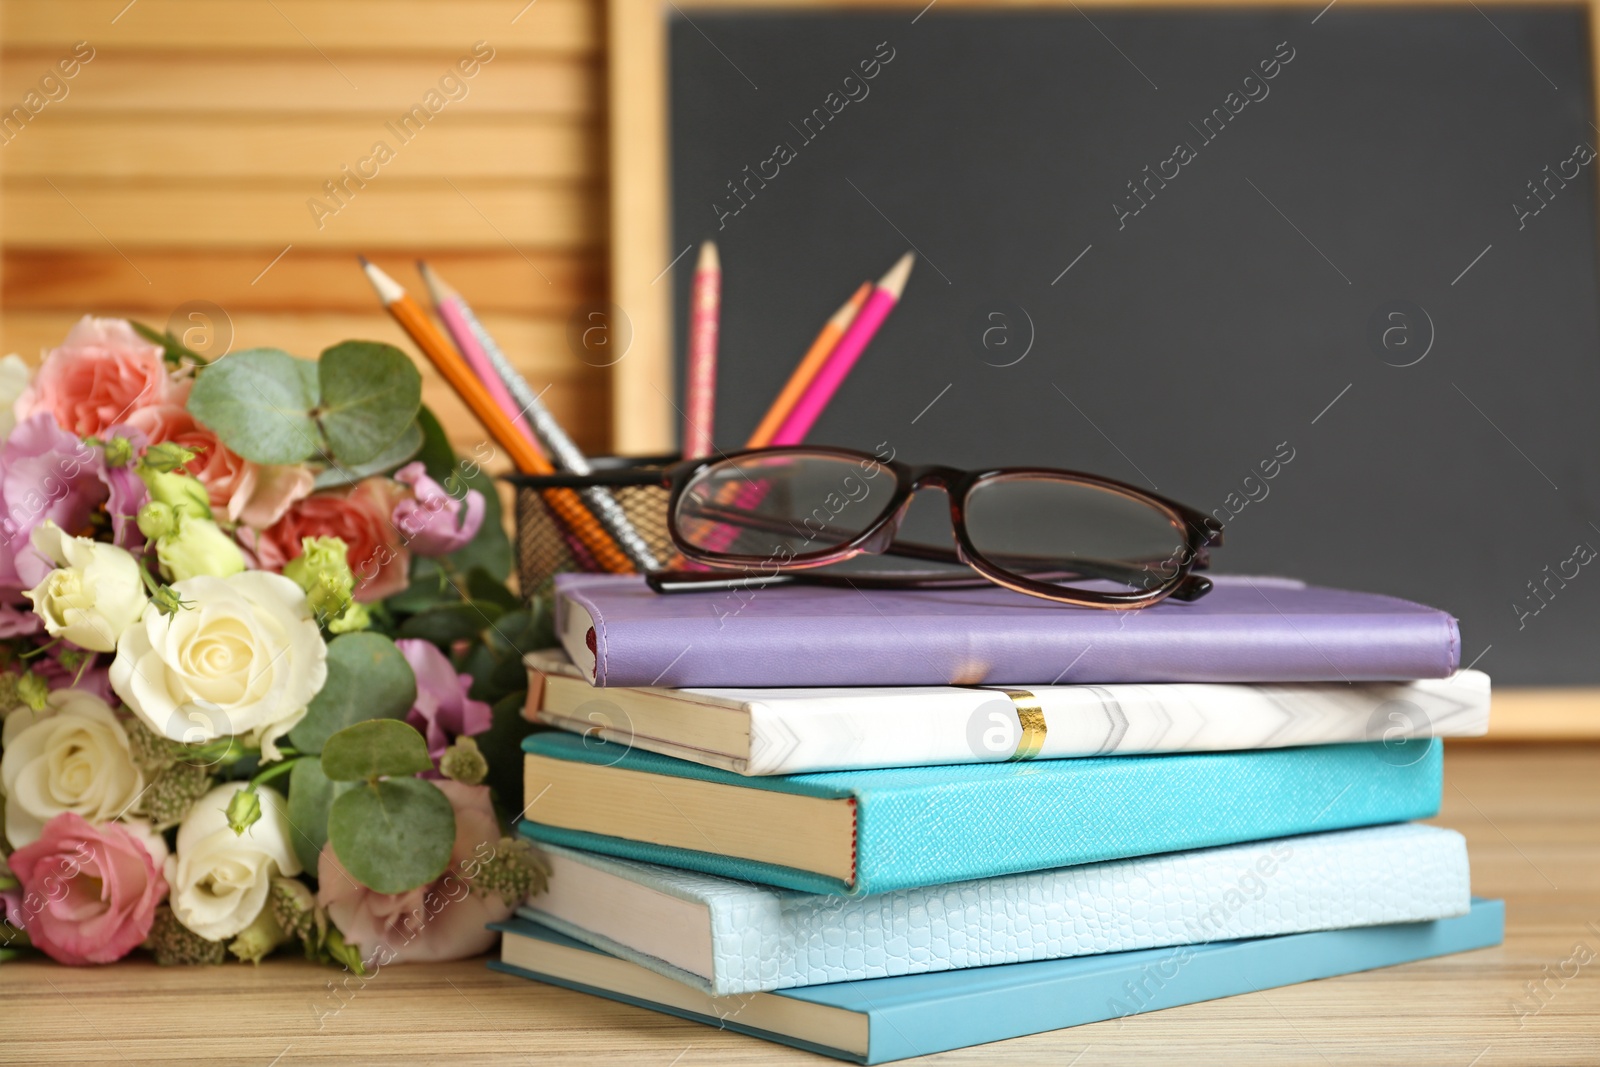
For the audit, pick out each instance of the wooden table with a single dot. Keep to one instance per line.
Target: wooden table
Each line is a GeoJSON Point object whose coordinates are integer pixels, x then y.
{"type": "Point", "coordinates": [1530, 813]}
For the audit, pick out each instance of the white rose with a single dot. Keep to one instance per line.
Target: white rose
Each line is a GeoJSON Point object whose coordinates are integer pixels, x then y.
{"type": "Point", "coordinates": [219, 879]}
{"type": "Point", "coordinates": [14, 375]}
{"type": "Point", "coordinates": [242, 656]}
{"type": "Point", "coordinates": [72, 756]}
{"type": "Point", "coordinates": [94, 594]}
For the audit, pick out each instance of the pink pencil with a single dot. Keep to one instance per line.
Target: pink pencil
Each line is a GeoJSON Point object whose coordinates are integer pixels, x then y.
{"type": "Point", "coordinates": [833, 373]}
{"type": "Point", "coordinates": [448, 305]}
{"type": "Point", "coordinates": [700, 393]}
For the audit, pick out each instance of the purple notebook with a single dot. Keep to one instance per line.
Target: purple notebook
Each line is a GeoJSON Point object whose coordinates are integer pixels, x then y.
{"type": "Point", "coordinates": [1245, 630]}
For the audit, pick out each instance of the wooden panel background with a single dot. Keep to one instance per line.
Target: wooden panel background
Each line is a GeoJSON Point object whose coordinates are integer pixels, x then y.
{"type": "Point", "coordinates": [180, 163]}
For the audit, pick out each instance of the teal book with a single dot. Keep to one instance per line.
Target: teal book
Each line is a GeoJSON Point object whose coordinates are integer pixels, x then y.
{"type": "Point", "coordinates": [862, 832]}
{"type": "Point", "coordinates": [889, 1019]}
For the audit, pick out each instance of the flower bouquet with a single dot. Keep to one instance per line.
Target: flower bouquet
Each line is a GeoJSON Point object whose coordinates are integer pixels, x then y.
{"type": "Point", "coordinates": [260, 672]}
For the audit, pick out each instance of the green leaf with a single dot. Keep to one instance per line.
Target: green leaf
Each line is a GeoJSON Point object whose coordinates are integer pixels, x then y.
{"type": "Point", "coordinates": [370, 394]}
{"type": "Point", "coordinates": [173, 350]}
{"type": "Point", "coordinates": [401, 450]}
{"type": "Point", "coordinates": [308, 378]}
{"type": "Point", "coordinates": [429, 588]}
{"type": "Point", "coordinates": [310, 797]}
{"type": "Point", "coordinates": [449, 623]}
{"type": "Point", "coordinates": [393, 835]}
{"type": "Point", "coordinates": [438, 458]}
{"type": "Point", "coordinates": [502, 743]}
{"type": "Point", "coordinates": [481, 585]}
{"type": "Point", "coordinates": [491, 549]}
{"type": "Point", "coordinates": [257, 404]}
{"type": "Point", "coordinates": [368, 678]}
{"type": "Point", "coordinates": [373, 749]}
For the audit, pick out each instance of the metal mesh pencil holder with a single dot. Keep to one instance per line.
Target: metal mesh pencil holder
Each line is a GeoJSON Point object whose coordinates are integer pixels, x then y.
{"type": "Point", "coordinates": [545, 547]}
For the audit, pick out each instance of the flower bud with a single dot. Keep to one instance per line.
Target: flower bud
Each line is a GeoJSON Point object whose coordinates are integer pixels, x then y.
{"type": "Point", "coordinates": [244, 810]}
{"type": "Point", "coordinates": [156, 520]}
{"type": "Point", "coordinates": [164, 458]}
{"type": "Point", "coordinates": [261, 937]}
{"type": "Point", "coordinates": [118, 451]}
{"type": "Point", "coordinates": [32, 690]}
{"type": "Point", "coordinates": [463, 762]}
{"type": "Point", "coordinates": [323, 570]}
{"type": "Point", "coordinates": [197, 546]}
{"type": "Point", "coordinates": [181, 492]}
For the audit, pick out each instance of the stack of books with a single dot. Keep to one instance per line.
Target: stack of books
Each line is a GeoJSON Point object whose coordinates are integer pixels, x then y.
{"type": "Point", "coordinates": [878, 824]}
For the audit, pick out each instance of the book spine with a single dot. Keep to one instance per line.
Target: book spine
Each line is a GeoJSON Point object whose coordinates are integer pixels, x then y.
{"type": "Point", "coordinates": [1136, 982]}
{"type": "Point", "coordinates": [1369, 877]}
{"type": "Point", "coordinates": [939, 727]}
{"type": "Point", "coordinates": [1088, 811]}
{"type": "Point", "coordinates": [763, 652]}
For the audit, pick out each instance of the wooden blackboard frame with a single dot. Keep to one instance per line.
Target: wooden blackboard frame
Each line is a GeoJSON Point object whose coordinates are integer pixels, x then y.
{"type": "Point", "coordinates": [643, 418]}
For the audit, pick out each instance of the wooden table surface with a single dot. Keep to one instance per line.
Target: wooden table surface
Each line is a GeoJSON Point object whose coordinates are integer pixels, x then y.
{"type": "Point", "coordinates": [1531, 815]}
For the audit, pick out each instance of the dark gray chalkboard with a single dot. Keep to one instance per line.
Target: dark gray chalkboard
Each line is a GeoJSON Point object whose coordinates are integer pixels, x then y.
{"type": "Point", "coordinates": [1370, 205]}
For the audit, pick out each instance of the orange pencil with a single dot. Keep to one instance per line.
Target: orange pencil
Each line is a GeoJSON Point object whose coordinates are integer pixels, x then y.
{"type": "Point", "coordinates": [527, 458]}
{"type": "Point", "coordinates": [808, 367]}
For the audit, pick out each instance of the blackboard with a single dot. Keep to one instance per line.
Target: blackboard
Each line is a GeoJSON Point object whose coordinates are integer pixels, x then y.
{"type": "Point", "coordinates": [1377, 253]}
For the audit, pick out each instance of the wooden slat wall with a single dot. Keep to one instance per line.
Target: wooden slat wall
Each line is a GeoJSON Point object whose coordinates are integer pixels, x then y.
{"type": "Point", "coordinates": [181, 160]}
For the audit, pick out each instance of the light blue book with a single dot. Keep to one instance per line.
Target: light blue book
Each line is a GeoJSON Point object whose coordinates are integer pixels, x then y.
{"type": "Point", "coordinates": [892, 1018]}
{"type": "Point", "coordinates": [855, 833]}
{"type": "Point", "coordinates": [727, 937]}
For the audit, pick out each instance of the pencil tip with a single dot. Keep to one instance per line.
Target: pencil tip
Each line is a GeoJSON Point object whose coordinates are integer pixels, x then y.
{"type": "Point", "coordinates": [895, 280]}
{"type": "Point", "coordinates": [388, 289]}
{"type": "Point", "coordinates": [365, 262]}
{"type": "Point", "coordinates": [709, 260]}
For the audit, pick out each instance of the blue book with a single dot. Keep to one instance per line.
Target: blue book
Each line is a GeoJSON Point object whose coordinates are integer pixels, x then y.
{"type": "Point", "coordinates": [915, 1015]}
{"type": "Point", "coordinates": [855, 833]}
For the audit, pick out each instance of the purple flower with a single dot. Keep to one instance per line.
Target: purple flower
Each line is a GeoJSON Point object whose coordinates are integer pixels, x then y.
{"type": "Point", "coordinates": [45, 473]}
{"type": "Point", "coordinates": [127, 490]}
{"type": "Point", "coordinates": [443, 710]}
{"type": "Point", "coordinates": [433, 522]}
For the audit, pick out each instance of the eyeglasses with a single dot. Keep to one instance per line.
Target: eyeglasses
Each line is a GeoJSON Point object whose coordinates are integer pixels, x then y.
{"type": "Point", "coordinates": [773, 515]}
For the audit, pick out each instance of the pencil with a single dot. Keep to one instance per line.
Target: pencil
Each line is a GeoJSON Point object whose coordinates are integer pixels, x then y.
{"type": "Point", "coordinates": [700, 390]}
{"type": "Point", "coordinates": [827, 339]}
{"type": "Point", "coordinates": [496, 370]}
{"type": "Point", "coordinates": [833, 373]}
{"type": "Point", "coordinates": [455, 324]}
{"type": "Point", "coordinates": [526, 457]}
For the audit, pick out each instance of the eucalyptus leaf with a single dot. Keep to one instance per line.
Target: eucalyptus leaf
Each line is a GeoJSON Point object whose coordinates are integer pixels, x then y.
{"type": "Point", "coordinates": [368, 678]}
{"type": "Point", "coordinates": [310, 797]}
{"type": "Point", "coordinates": [370, 394]}
{"type": "Point", "coordinates": [257, 404]}
{"type": "Point", "coordinates": [375, 748]}
{"type": "Point", "coordinates": [400, 451]}
{"type": "Point", "coordinates": [395, 835]}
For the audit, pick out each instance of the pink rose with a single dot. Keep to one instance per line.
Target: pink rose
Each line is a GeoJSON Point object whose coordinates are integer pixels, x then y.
{"type": "Point", "coordinates": [359, 516]}
{"type": "Point", "coordinates": [101, 373]}
{"type": "Point", "coordinates": [433, 522]}
{"type": "Point", "coordinates": [443, 711]}
{"type": "Point", "coordinates": [443, 920]}
{"type": "Point", "coordinates": [245, 492]}
{"type": "Point", "coordinates": [89, 892]}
